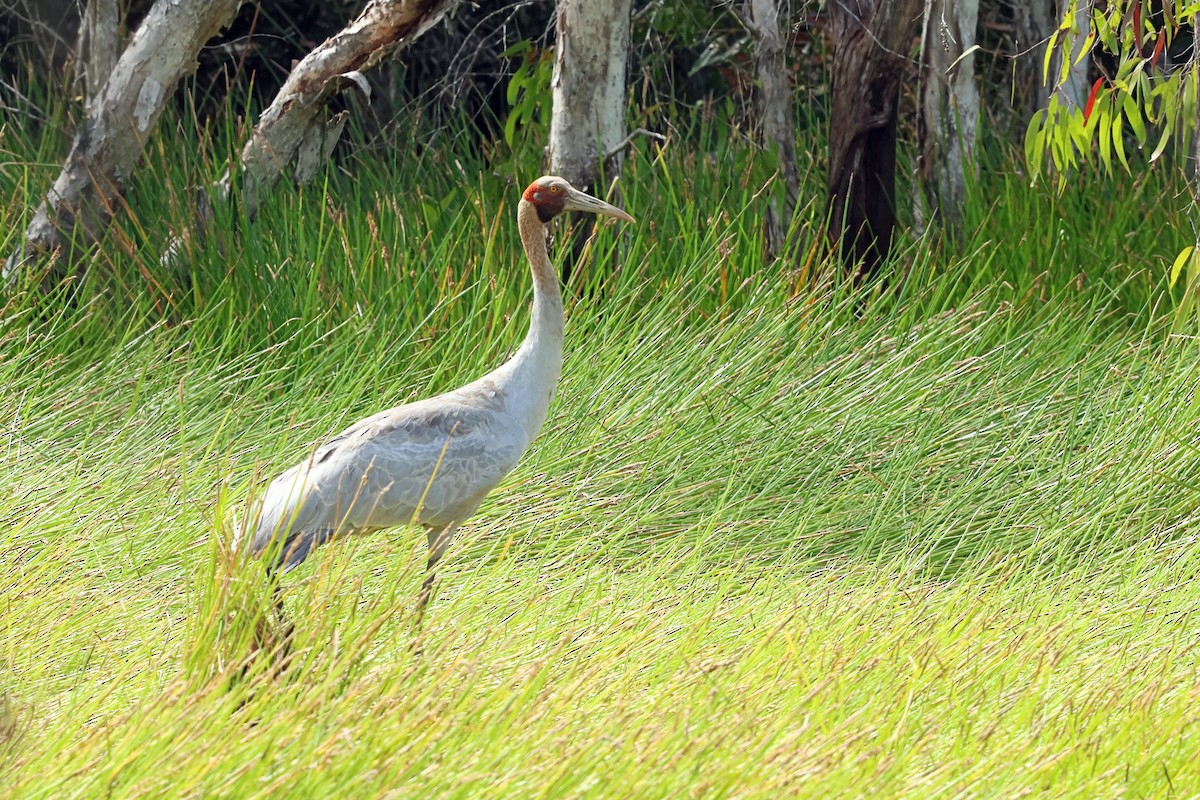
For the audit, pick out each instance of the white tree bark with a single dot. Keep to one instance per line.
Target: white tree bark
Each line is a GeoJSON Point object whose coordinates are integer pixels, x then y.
{"type": "Point", "coordinates": [1033, 22]}
{"type": "Point", "coordinates": [98, 33]}
{"type": "Point", "coordinates": [776, 117]}
{"type": "Point", "coordinates": [948, 115]}
{"type": "Point", "coordinates": [117, 123]}
{"type": "Point", "coordinates": [588, 90]}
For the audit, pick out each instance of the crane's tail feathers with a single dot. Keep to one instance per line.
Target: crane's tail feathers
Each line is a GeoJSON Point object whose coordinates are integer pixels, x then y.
{"type": "Point", "coordinates": [296, 548]}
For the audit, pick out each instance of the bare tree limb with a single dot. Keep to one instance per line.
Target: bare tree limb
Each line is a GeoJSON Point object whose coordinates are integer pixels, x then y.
{"type": "Point", "coordinates": [296, 115]}
{"type": "Point", "coordinates": [296, 132]}
{"type": "Point", "coordinates": [620, 146]}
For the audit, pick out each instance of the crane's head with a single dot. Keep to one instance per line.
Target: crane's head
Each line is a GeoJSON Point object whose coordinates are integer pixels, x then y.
{"type": "Point", "coordinates": [552, 195]}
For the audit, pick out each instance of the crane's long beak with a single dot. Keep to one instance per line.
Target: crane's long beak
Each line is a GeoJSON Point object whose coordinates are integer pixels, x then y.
{"type": "Point", "coordinates": [580, 201]}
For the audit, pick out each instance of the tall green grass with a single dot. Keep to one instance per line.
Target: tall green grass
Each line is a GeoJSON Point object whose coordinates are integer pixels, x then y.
{"type": "Point", "coordinates": [776, 539]}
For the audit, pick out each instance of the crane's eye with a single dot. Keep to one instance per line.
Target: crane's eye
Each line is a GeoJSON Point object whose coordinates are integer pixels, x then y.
{"type": "Point", "coordinates": [553, 189]}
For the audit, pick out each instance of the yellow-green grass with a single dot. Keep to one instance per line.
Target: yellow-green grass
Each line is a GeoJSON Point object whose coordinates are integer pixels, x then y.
{"type": "Point", "coordinates": [774, 541]}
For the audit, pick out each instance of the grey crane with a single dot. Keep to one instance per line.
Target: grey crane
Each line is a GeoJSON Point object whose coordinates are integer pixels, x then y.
{"type": "Point", "coordinates": [433, 461]}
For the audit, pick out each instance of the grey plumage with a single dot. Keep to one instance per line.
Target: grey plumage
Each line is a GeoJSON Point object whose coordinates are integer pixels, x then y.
{"type": "Point", "coordinates": [431, 462]}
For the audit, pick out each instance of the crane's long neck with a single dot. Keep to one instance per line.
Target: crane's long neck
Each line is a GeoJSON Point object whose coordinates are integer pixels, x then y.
{"type": "Point", "coordinates": [536, 365]}
{"type": "Point", "coordinates": [546, 325]}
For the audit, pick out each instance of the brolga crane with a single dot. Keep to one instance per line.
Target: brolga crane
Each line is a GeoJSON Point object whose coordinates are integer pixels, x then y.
{"type": "Point", "coordinates": [433, 461]}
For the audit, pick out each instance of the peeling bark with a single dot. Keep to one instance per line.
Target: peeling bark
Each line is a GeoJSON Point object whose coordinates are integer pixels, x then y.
{"type": "Point", "coordinates": [870, 53]}
{"type": "Point", "coordinates": [118, 121]}
{"type": "Point", "coordinates": [948, 113]}
{"type": "Point", "coordinates": [776, 115]}
{"type": "Point", "coordinates": [587, 125]}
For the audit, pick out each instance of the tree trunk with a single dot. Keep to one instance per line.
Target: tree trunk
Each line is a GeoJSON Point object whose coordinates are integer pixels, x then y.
{"type": "Point", "coordinates": [1033, 22]}
{"type": "Point", "coordinates": [948, 114]}
{"type": "Point", "coordinates": [776, 117]}
{"type": "Point", "coordinates": [1195, 171]}
{"type": "Point", "coordinates": [117, 123]}
{"type": "Point", "coordinates": [587, 125]}
{"type": "Point", "coordinates": [98, 45]}
{"type": "Point", "coordinates": [870, 47]}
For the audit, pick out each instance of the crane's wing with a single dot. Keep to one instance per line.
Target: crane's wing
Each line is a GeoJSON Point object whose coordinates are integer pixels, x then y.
{"type": "Point", "coordinates": [431, 462]}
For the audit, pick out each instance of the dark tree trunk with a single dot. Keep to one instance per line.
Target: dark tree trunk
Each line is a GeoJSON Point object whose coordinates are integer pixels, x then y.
{"type": "Point", "coordinates": [870, 58]}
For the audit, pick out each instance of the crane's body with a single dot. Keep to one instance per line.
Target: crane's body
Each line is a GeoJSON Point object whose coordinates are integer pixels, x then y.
{"type": "Point", "coordinates": [432, 462]}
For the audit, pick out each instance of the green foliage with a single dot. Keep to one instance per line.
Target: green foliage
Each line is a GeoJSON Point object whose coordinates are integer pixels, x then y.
{"type": "Point", "coordinates": [1140, 102]}
{"type": "Point", "coordinates": [529, 94]}
{"type": "Point", "coordinates": [689, 52]}
{"type": "Point", "coordinates": [1140, 99]}
{"type": "Point", "coordinates": [777, 539]}
{"type": "Point", "coordinates": [1189, 305]}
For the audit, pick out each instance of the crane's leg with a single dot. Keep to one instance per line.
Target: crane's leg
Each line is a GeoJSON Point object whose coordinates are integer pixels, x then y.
{"type": "Point", "coordinates": [284, 620]}
{"type": "Point", "coordinates": [276, 639]}
{"type": "Point", "coordinates": [273, 641]}
{"type": "Point", "coordinates": [439, 540]}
